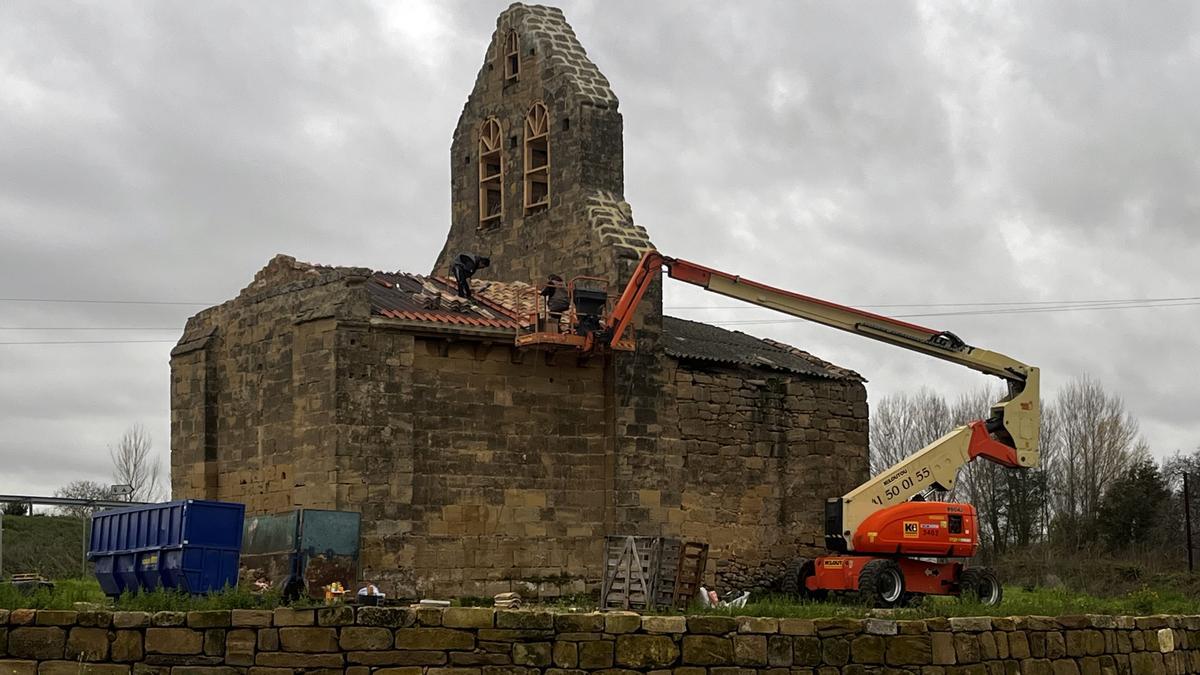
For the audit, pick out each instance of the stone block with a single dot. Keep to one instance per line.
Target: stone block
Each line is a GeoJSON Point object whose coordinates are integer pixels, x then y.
{"type": "Point", "coordinates": [750, 650]}
{"type": "Point", "coordinates": [240, 646]}
{"type": "Point", "coordinates": [524, 619]}
{"type": "Point", "coordinates": [970, 624]}
{"type": "Point", "coordinates": [711, 625]}
{"type": "Point", "coordinates": [566, 655]}
{"type": "Point", "coordinates": [22, 617]}
{"type": "Point", "coordinates": [298, 639]}
{"type": "Point", "coordinates": [388, 617]}
{"type": "Point", "coordinates": [966, 648]}
{"type": "Point", "coordinates": [87, 644]}
{"type": "Point", "coordinates": [173, 641]}
{"type": "Point", "coordinates": [835, 651]}
{"type": "Point", "coordinates": [56, 617]}
{"type": "Point", "coordinates": [290, 660]}
{"type": "Point", "coordinates": [867, 649]}
{"type": "Point", "coordinates": [579, 623]}
{"type": "Point", "coordinates": [94, 619]}
{"type": "Point", "coordinates": [397, 658]}
{"type": "Point", "coordinates": [286, 616]}
{"type": "Point", "coordinates": [595, 655]}
{"type": "Point", "coordinates": [835, 627]}
{"type": "Point", "coordinates": [531, 654]}
{"type": "Point", "coordinates": [646, 651]}
{"type": "Point", "coordinates": [77, 668]}
{"type": "Point", "coordinates": [434, 638]}
{"type": "Point", "coordinates": [797, 627]}
{"type": "Point", "coordinates": [751, 624]}
{"type": "Point", "coordinates": [779, 651]}
{"type": "Point", "coordinates": [664, 624]}
{"type": "Point", "coordinates": [251, 618]}
{"type": "Point", "coordinates": [468, 617]}
{"type": "Point", "coordinates": [13, 667]}
{"type": "Point", "coordinates": [908, 650]}
{"type": "Point", "coordinates": [214, 642]}
{"type": "Point", "coordinates": [208, 619]}
{"type": "Point", "coordinates": [126, 646]}
{"type": "Point", "coordinates": [42, 644]}
{"type": "Point", "coordinates": [168, 619]}
{"type": "Point", "coordinates": [942, 645]}
{"type": "Point", "coordinates": [365, 638]}
{"type": "Point", "coordinates": [622, 622]}
{"type": "Point", "coordinates": [337, 615]}
{"type": "Point", "coordinates": [130, 619]}
{"type": "Point", "coordinates": [707, 650]}
{"type": "Point", "coordinates": [268, 639]}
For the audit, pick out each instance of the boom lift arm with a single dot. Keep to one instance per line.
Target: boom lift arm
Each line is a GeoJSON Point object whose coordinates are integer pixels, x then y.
{"type": "Point", "coordinates": [1008, 437]}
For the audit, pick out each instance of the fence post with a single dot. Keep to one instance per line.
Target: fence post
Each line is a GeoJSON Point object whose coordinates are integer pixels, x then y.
{"type": "Point", "coordinates": [1187, 520]}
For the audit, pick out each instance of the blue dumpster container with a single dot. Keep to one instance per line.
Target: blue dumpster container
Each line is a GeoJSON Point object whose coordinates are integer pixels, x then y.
{"type": "Point", "coordinates": [188, 545]}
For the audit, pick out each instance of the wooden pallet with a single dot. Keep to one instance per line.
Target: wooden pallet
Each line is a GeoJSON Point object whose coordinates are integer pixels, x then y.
{"type": "Point", "coordinates": [630, 572]}
{"type": "Point", "coordinates": [644, 573]}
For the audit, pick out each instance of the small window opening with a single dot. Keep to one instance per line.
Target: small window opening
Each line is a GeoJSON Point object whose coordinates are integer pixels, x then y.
{"type": "Point", "coordinates": [512, 141]}
{"type": "Point", "coordinates": [491, 172]}
{"type": "Point", "coordinates": [566, 124]}
{"type": "Point", "coordinates": [512, 56]}
{"type": "Point", "coordinates": [537, 158]}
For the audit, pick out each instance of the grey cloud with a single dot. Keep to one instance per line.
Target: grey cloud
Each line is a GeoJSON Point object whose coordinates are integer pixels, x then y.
{"type": "Point", "coordinates": [871, 153]}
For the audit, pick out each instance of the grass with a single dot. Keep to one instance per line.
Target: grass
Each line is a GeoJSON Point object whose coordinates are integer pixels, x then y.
{"type": "Point", "coordinates": [48, 545]}
{"type": "Point", "coordinates": [1017, 602]}
{"type": "Point", "coordinates": [68, 592]}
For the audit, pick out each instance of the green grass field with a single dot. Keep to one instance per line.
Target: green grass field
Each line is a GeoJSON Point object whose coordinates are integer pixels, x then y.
{"type": "Point", "coordinates": [48, 545]}
{"type": "Point", "coordinates": [1017, 602]}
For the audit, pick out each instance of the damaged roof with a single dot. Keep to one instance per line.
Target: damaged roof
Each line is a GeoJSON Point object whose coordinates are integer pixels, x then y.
{"type": "Point", "coordinates": [496, 307]}
{"type": "Point", "coordinates": [416, 298]}
{"type": "Point", "coordinates": [695, 341]}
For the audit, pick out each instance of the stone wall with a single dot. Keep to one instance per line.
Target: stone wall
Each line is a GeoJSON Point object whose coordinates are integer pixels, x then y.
{"type": "Point", "coordinates": [477, 641]}
{"type": "Point", "coordinates": [481, 467]}
{"type": "Point", "coordinates": [761, 452]}
{"type": "Point", "coordinates": [254, 392]}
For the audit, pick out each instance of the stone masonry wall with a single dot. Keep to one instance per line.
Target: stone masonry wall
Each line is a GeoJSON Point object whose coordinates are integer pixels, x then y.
{"type": "Point", "coordinates": [253, 390]}
{"type": "Point", "coordinates": [482, 641]}
{"type": "Point", "coordinates": [479, 467]}
{"type": "Point", "coordinates": [760, 455]}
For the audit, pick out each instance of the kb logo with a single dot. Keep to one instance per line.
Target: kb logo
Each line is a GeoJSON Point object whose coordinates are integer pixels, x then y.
{"type": "Point", "coordinates": [912, 529]}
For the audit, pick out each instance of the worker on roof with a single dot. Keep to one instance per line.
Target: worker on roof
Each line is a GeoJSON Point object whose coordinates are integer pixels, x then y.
{"type": "Point", "coordinates": [465, 266]}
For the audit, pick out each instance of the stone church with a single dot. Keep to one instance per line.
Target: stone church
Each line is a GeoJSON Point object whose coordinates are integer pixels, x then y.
{"type": "Point", "coordinates": [479, 466]}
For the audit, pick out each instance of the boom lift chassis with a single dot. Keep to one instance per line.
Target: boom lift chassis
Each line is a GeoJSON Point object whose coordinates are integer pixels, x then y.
{"type": "Point", "coordinates": [882, 535]}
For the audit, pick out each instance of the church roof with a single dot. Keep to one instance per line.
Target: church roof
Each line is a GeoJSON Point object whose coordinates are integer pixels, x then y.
{"type": "Point", "coordinates": [695, 341]}
{"type": "Point", "coordinates": [417, 298]}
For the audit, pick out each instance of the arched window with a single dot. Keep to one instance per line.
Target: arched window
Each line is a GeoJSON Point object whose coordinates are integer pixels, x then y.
{"type": "Point", "coordinates": [491, 174]}
{"type": "Point", "coordinates": [537, 158]}
{"type": "Point", "coordinates": [512, 56]}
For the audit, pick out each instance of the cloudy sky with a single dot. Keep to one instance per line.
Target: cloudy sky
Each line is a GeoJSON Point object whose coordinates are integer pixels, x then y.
{"type": "Point", "coordinates": [875, 153]}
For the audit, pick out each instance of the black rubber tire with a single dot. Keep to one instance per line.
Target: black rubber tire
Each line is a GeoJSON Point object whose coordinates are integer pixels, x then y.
{"type": "Point", "coordinates": [881, 584]}
{"type": "Point", "coordinates": [793, 577]}
{"type": "Point", "coordinates": [792, 583]}
{"type": "Point", "coordinates": [980, 584]}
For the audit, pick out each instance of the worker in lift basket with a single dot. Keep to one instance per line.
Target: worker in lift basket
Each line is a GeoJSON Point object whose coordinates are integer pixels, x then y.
{"type": "Point", "coordinates": [464, 267]}
{"type": "Point", "coordinates": [557, 300]}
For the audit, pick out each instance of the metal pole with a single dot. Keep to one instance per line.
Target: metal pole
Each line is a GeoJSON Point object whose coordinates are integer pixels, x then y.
{"type": "Point", "coordinates": [2, 542]}
{"type": "Point", "coordinates": [1187, 520]}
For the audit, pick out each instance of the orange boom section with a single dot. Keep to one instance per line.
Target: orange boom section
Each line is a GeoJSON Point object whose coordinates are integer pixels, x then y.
{"type": "Point", "coordinates": [942, 529]}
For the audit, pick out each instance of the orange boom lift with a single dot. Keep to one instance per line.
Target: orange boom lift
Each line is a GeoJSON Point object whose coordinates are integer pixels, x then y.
{"type": "Point", "coordinates": [881, 534]}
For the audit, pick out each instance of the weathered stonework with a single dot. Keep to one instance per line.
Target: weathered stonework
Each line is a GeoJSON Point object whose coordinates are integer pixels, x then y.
{"type": "Point", "coordinates": [479, 467]}
{"type": "Point", "coordinates": [487, 642]}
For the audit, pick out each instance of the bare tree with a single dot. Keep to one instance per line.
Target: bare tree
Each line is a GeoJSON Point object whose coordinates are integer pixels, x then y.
{"type": "Point", "coordinates": [134, 465]}
{"type": "Point", "coordinates": [903, 423]}
{"type": "Point", "coordinates": [82, 489]}
{"type": "Point", "coordinates": [1098, 440]}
